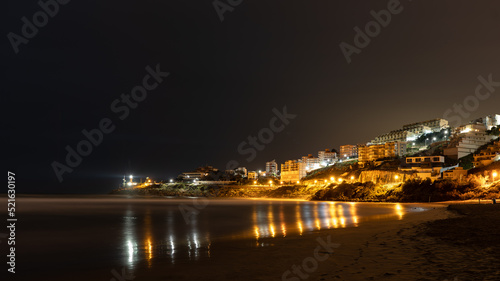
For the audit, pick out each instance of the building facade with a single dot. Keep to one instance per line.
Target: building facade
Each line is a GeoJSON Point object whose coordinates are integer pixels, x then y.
{"type": "Point", "coordinates": [457, 173]}
{"type": "Point", "coordinates": [467, 139]}
{"type": "Point", "coordinates": [272, 168]}
{"type": "Point", "coordinates": [311, 163]}
{"type": "Point", "coordinates": [395, 136]}
{"type": "Point", "coordinates": [292, 171]}
{"type": "Point", "coordinates": [252, 175]}
{"type": "Point", "coordinates": [487, 155]}
{"type": "Point", "coordinates": [327, 157]}
{"type": "Point", "coordinates": [370, 153]}
{"type": "Point", "coordinates": [435, 125]}
{"type": "Point", "coordinates": [348, 151]}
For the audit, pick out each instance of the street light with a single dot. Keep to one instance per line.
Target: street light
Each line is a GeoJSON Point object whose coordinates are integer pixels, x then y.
{"type": "Point", "coordinates": [332, 179]}
{"type": "Point", "coordinates": [254, 182]}
{"type": "Point", "coordinates": [495, 175]}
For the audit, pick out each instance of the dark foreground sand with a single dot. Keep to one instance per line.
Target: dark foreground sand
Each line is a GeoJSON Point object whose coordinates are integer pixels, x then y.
{"type": "Point", "coordinates": [457, 243]}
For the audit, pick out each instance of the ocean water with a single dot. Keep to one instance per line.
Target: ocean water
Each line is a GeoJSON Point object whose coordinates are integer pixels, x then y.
{"type": "Point", "coordinates": [56, 235]}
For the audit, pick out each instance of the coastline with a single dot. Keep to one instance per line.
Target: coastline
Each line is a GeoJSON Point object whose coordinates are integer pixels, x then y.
{"type": "Point", "coordinates": [435, 244]}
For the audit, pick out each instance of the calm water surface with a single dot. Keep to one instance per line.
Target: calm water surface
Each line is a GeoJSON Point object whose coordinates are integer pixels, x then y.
{"type": "Point", "coordinates": [109, 231]}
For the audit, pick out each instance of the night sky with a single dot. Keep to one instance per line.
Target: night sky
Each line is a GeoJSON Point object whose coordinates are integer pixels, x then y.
{"type": "Point", "coordinates": [226, 78]}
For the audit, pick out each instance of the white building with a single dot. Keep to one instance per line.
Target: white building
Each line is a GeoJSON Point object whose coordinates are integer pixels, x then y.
{"type": "Point", "coordinates": [435, 125]}
{"type": "Point", "coordinates": [272, 168]}
{"type": "Point", "coordinates": [311, 163]}
{"type": "Point", "coordinates": [327, 157]}
{"type": "Point", "coordinates": [395, 136]}
{"type": "Point", "coordinates": [489, 121]}
{"type": "Point", "coordinates": [467, 139]}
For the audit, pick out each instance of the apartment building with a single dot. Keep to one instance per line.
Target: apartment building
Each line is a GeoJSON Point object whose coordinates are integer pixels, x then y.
{"type": "Point", "coordinates": [435, 125]}
{"type": "Point", "coordinates": [311, 163]}
{"type": "Point", "coordinates": [292, 171]}
{"type": "Point", "coordinates": [488, 155]}
{"type": "Point", "coordinates": [395, 136]}
{"type": "Point", "coordinates": [272, 168]}
{"type": "Point", "coordinates": [370, 153]}
{"type": "Point", "coordinates": [348, 151]}
{"type": "Point", "coordinates": [327, 157]}
{"type": "Point", "coordinates": [467, 139]}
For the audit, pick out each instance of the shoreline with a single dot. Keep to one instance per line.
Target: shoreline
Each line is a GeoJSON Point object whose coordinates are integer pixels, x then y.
{"type": "Point", "coordinates": [435, 244]}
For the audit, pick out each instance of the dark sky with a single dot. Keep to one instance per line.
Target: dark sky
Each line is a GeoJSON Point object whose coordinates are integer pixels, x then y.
{"type": "Point", "coordinates": [226, 78]}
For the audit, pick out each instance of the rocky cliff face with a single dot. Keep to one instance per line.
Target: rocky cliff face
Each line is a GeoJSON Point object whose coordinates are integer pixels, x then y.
{"type": "Point", "coordinates": [383, 177]}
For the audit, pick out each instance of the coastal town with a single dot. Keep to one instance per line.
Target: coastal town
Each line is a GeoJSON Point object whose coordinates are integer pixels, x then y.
{"type": "Point", "coordinates": [429, 150]}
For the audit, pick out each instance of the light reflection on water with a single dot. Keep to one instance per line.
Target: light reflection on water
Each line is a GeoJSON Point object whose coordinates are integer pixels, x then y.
{"type": "Point", "coordinates": [180, 241]}
{"type": "Point", "coordinates": [139, 233]}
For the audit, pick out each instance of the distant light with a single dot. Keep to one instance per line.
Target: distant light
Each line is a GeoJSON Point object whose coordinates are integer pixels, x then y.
{"type": "Point", "coordinates": [254, 182]}
{"type": "Point", "coordinates": [315, 181]}
{"type": "Point", "coordinates": [131, 177]}
{"type": "Point", "coordinates": [352, 177]}
{"type": "Point", "coordinates": [270, 182]}
{"type": "Point", "coordinates": [298, 182]}
{"type": "Point", "coordinates": [129, 183]}
{"type": "Point", "coordinates": [171, 180]}
{"type": "Point", "coordinates": [396, 177]}
{"type": "Point", "coordinates": [332, 179]}
{"type": "Point", "coordinates": [340, 180]}
{"type": "Point", "coordinates": [495, 174]}
{"type": "Point", "coordinates": [281, 182]}
{"type": "Point", "coordinates": [325, 180]}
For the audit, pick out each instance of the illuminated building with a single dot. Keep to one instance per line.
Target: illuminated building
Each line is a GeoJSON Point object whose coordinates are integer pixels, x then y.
{"type": "Point", "coordinates": [466, 140]}
{"type": "Point", "coordinates": [252, 175]}
{"type": "Point", "coordinates": [272, 168]}
{"type": "Point", "coordinates": [292, 171]}
{"type": "Point", "coordinates": [435, 125]}
{"type": "Point", "coordinates": [312, 163]}
{"type": "Point", "coordinates": [488, 155]}
{"type": "Point", "coordinates": [327, 157]}
{"type": "Point", "coordinates": [348, 151]}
